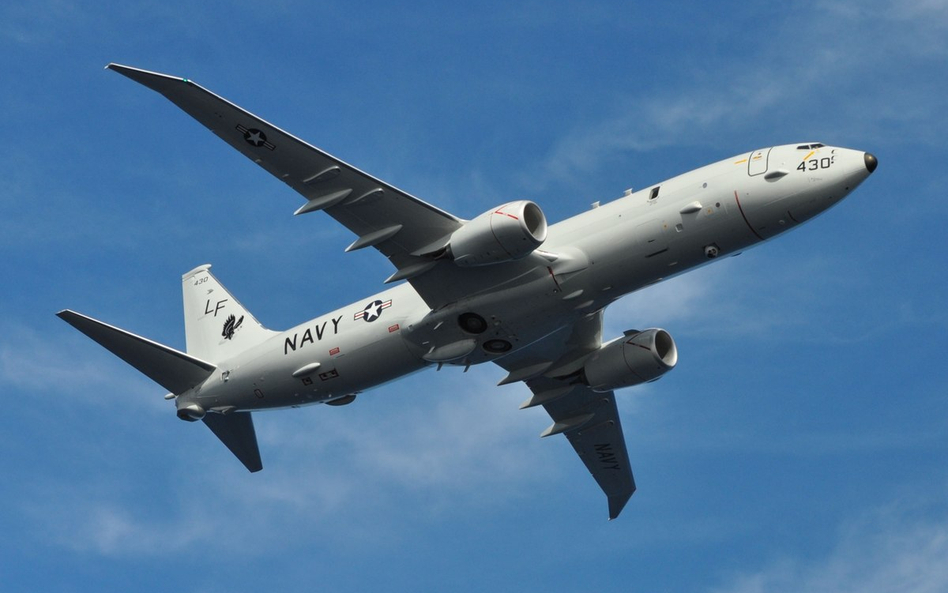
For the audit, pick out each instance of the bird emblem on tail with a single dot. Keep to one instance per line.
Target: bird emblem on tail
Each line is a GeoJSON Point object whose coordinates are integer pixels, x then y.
{"type": "Point", "coordinates": [230, 326]}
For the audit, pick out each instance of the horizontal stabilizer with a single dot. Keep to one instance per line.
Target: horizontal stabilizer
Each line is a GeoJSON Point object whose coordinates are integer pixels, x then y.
{"type": "Point", "coordinates": [175, 371]}
{"type": "Point", "coordinates": [237, 433]}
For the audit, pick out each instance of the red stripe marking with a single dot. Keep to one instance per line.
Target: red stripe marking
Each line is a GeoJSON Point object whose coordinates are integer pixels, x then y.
{"type": "Point", "coordinates": [505, 214]}
{"type": "Point", "coordinates": [741, 208]}
{"type": "Point", "coordinates": [553, 276]}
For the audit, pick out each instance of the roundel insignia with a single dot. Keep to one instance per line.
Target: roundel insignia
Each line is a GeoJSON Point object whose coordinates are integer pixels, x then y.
{"type": "Point", "coordinates": [373, 310]}
{"type": "Point", "coordinates": [255, 137]}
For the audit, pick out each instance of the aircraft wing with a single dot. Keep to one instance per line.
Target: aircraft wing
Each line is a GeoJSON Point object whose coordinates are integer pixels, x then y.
{"type": "Point", "coordinates": [381, 216]}
{"type": "Point", "coordinates": [589, 419]}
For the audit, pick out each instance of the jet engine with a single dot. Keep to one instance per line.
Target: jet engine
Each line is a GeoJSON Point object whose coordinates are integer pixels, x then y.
{"type": "Point", "coordinates": [505, 233]}
{"type": "Point", "coordinates": [637, 357]}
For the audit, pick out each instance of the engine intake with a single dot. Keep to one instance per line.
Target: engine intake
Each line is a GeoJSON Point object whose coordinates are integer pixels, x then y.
{"type": "Point", "coordinates": [508, 232]}
{"type": "Point", "coordinates": [637, 357]}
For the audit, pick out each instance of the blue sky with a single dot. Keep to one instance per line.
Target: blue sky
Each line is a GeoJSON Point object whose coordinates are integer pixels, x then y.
{"type": "Point", "coordinates": [800, 444]}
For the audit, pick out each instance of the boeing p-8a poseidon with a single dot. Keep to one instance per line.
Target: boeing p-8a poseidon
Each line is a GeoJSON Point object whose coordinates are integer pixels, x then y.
{"type": "Point", "coordinates": [504, 287]}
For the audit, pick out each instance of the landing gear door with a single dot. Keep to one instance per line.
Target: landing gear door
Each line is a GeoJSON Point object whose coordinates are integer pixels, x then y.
{"type": "Point", "coordinates": [757, 162]}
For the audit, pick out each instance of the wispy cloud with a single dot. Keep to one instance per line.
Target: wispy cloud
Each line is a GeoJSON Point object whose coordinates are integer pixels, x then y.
{"type": "Point", "coordinates": [775, 95]}
{"type": "Point", "coordinates": [895, 549]}
{"type": "Point", "coordinates": [446, 447]}
{"type": "Point", "coordinates": [32, 362]}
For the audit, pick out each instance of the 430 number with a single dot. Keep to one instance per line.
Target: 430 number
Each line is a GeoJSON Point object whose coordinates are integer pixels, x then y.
{"type": "Point", "coordinates": [814, 164]}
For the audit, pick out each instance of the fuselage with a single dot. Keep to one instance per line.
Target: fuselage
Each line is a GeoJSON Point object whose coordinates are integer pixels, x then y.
{"type": "Point", "coordinates": [587, 262]}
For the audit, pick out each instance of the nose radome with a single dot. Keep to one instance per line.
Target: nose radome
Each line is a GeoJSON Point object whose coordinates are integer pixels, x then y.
{"type": "Point", "coordinates": [871, 162]}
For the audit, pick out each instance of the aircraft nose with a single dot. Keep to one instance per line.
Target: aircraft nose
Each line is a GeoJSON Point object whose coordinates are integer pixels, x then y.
{"type": "Point", "coordinates": [871, 162]}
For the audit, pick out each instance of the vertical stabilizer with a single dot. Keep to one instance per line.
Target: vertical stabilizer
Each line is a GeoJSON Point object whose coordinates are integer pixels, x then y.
{"type": "Point", "coordinates": [216, 325]}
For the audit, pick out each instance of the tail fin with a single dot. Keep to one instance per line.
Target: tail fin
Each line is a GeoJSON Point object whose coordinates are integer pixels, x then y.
{"type": "Point", "coordinates": [216, 325]}
{"type": "Point", "coordinates": [237, 433]}
{"type": "Point", "coordinates": [178, 372]}
{"type": "Point", "coordinates": [175, 371]}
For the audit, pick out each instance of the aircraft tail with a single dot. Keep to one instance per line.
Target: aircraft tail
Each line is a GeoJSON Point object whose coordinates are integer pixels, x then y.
{"type": "Point", "coordinates": [216, 325]}
{"type": "Point", "coordinates": [237, 433]}
{"type": "Point", "coordinates": [174, 370]}
{"type": "Point", "coordinates": [212, 329]}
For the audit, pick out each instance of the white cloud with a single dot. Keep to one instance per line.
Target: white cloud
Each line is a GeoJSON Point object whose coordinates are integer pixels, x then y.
{"type": "Point", "coordinates": [33, 363]}
{"type": "Point", "coordinates": [891, 550]}
{"type": "Point", "coordinates": [682, 301]}
{"type": "Point", "coordinates": [775, 94]}
{"type": "Point", "coordinates": [461, 443]}
{"type": "Point", "coordinates": [439, 431]}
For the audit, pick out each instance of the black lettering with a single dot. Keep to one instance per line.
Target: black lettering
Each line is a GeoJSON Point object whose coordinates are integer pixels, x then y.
{"type": "Point", "coordinates": [218, 307]}
{"type": "Point", "coordinates": [289, 345]}
{"type": "Point", "coordinates": [307, 337]}
{"type": "Point", "coordinates": [606, 456]}
{"type": "Point", "coordinates": [319, 331]}
{"type": "Point", "coordinates": [335, 324]}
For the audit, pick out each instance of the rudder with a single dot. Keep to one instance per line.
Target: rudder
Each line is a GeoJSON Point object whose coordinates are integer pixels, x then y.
{"type": "Point", "coordinates": [216, 325]}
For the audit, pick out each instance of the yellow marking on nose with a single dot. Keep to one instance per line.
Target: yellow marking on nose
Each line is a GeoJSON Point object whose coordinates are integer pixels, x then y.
{"type": "Point", "coordinates": [812, 152]}
{"type": "Point", "coordinates": [740, 161]}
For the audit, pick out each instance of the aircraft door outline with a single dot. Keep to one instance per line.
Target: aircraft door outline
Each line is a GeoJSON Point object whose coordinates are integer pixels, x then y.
{"type": "Point", "coordinates": [758, 161]}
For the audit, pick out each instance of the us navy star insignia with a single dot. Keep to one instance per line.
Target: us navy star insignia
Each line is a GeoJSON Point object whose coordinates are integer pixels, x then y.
{"type": "Point", "coordinates": [255, 137]}
{"type": "Point", "coordinates": [373, 310]}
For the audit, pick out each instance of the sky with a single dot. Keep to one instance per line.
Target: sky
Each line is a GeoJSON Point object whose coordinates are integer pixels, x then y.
{"type": "Point", "coordinates": [800, 444]}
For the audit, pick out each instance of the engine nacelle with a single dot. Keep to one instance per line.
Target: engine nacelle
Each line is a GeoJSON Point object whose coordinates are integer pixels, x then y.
{"type": "Point", "coordinates": [505, 233]}
{"type": "Point", "coordinates": [637, 357]}
{"type": "Point", "coordinates": [191, 413]}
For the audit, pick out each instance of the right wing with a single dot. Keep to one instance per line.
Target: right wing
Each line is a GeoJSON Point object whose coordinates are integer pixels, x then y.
{"type": "Point", "coordinates": [588, 419]}
{"type": "Point", "coordinates": [598, 440]}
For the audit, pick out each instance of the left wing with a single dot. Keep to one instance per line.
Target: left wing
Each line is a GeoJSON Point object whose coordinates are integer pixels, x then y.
{"type": "Point", "coordinates": [408, 231]}
{"type": "Point", "coordinates": [589, 419]}
{"type": "Point", "coordinates": [382, 216]}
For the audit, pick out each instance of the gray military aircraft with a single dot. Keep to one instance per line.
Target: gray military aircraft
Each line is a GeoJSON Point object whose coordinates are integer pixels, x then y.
{"type": "Point", "coordinates": [505, 287]}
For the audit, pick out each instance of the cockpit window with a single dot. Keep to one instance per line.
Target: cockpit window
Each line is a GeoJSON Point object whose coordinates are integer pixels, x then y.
{"type": "Point", "coordinates": [810, 146]}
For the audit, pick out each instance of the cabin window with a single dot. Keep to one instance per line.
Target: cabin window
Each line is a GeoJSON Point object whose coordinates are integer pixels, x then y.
{"type": "Point", "coordinates": [654, 193]}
